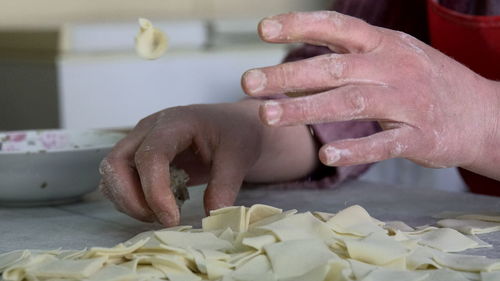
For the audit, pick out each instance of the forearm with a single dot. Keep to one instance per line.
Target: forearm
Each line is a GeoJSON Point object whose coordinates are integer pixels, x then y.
{"type": "Point", "coordinates": [287, 153]}
{"type": "Point", "coordinates": [487, 160]}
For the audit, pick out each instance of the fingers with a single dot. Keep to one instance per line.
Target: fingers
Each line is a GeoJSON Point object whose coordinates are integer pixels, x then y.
{"type": "Point", "coordinates": [226, 178]}
{"type": "Point", "coordinates": [342, 104]}
{"type": "Point", "coordinates": [121, 185]}
{"type": "Point", "coordinates": [153, 159]}
{"type": "Point", "coordinates": [314, 75]}
{"type": "Point", "coordinates": [337, 31]}
{"type": "Point", "coordinates": [377, 147]}
{"type": "Point", "coordinates": [120, 181]}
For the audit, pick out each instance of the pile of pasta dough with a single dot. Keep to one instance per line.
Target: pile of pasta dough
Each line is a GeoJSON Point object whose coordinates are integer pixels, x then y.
{"type": "Point", "coordinates": [263, 243]}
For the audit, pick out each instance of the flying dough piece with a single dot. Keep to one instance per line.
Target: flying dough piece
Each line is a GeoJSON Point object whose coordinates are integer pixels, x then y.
{"type": "Point", "coordinates": [470, 226]}
{"type": "Point", "coordinates": [151, 43]}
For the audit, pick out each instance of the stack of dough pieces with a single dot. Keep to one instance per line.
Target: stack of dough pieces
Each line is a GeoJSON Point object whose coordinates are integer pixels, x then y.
{"type": "Point", "coordinates": [263, 243]}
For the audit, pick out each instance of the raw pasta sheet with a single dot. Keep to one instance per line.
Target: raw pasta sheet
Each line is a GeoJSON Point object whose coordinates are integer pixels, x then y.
{"type": "Point", "coordinates": [268, 244]}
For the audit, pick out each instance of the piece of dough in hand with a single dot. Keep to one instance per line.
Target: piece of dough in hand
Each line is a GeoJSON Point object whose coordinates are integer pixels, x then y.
{"type": "Point", "coordinates": [178, 184]}
{"type": "Point", "coordinates": [151, 43]}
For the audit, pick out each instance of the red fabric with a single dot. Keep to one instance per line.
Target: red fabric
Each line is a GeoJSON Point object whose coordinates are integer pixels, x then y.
{"type": "Point", "coordinates": [472, 40]}
{"type": "Point", "coordinates": [475, 42]}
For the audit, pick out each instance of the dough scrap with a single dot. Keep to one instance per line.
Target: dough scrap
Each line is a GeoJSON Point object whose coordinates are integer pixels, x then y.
{"type": "Point", "coordinates": [287, 258]}
{"type": "Point", "coordinates": [268, 244]}
{"type": "Point", "coordinates": [151, 43]}
{"type": "Point", "coordinates": [377, 249]}
{"type": "Point", "coordinates": [469, 226]}
{"type": "Point", "coordinates": [446, 240]}
{"type": "Point", "coordinates": [178, 184]}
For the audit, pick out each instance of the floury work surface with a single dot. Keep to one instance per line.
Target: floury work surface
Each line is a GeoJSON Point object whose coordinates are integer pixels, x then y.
{"type": "Point", "coordinates": [94, 222]}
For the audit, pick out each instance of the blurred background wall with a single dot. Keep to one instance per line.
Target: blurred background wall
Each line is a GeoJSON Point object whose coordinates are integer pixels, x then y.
{"type": "Point", "coordinates": [71, 64]}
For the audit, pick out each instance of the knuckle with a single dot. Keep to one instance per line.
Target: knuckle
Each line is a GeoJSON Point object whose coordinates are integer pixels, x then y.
{"type": "Point", "coordinates": [140, 158]}
{"type": "Point", "coordinates": [145, 156]}
{"type": "Point", "coordinates": [413, 48]}
{"type": "Point", "coordinates": [334, 66]}
{"type": "Point", "coordinates": [331, 17]}
{"type": "Point", "coordinates": [146, 121]}
{"type": "Point", "coordinates": [355, 101]}
{"type": "Point", "coordinates": [283, 73]}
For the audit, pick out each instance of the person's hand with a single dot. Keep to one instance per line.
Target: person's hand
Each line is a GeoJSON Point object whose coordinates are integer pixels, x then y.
{"type": "Point", "coordinates": [433, 110]}
{"type": "Point", "coordinates": [221, 144]}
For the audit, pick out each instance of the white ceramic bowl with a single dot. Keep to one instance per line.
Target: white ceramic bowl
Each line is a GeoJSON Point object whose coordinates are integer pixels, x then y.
{"type": "Point", "coordinates": [49, 167]}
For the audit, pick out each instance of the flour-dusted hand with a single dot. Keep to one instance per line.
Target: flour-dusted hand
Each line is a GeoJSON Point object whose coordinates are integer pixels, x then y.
{"type": "Point", "coordinates": [433, 110]}
{"type": "Point", "coordinates": [218, 144]}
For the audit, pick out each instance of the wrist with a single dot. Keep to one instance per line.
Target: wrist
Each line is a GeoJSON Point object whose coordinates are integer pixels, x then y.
{"type": "Point", "coordinates": [487, 159]}
{"type": "Point", "coordinates": [286, 154]}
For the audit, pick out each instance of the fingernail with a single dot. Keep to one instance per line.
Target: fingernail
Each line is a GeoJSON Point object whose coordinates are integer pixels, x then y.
{"type": "Point", "coordinates": [333, 155]}
{"type": "Point", "coordinates": [167, 219]}
{"type": "Point", "coordinates": [255, 80]}
{"type": "Point", "coordinates": [272, 112]}
{"type": "Point", "coordinates": [271, 28]}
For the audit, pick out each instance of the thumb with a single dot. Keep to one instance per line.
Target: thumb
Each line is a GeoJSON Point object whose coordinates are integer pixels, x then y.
{"type": "Point", "coordinates": [226, 178]}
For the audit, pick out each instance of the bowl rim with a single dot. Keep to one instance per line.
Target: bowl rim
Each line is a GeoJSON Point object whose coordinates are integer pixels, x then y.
{"type": "Point", "coordinates": [72, 148]}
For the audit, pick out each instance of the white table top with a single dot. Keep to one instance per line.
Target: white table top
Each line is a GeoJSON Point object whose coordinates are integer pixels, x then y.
{"type": "Point", "coordinates": [94, 222]}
